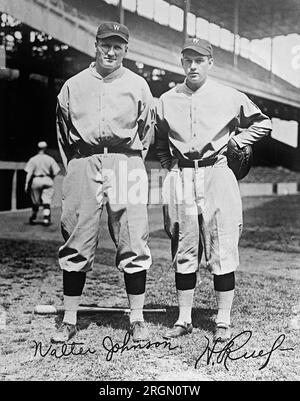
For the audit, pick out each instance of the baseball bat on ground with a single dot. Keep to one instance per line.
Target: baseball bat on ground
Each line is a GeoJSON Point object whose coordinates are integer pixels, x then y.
{"type": "Point", "coordinates": [53, 310]}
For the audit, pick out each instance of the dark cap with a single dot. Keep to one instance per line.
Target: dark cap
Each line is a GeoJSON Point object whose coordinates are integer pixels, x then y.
{"type": "Point", "coordinates": [107, 29]}
{"type": "Point", "coordinates": [200, 46]}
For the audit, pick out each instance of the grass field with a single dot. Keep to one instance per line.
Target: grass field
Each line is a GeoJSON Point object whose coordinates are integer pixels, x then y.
{"type": "Point", "coordinates": [267, 298]}
{"type": "Point", "coordinates": [272, 174]}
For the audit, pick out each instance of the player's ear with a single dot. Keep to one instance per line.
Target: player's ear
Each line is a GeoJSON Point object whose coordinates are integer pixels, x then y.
{"type": "Point", "coordinates": [210, 63]}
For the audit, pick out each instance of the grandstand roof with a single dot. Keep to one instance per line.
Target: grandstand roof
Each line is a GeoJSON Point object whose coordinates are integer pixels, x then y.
{"type": "Point", "coordinates": [257, 18]}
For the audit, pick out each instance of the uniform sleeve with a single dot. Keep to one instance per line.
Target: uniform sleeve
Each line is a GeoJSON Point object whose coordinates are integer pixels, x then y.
{"type": "Point", "coordinates": [29, 168]}
{"type": "Point", "coordinates": [254, 125]}
{"type": "Point", "coordinates": [62, 125]}
{"type": "Point", "coordinates": [146, 119]}
{"type": "Point", "coordinates": [162, 137]}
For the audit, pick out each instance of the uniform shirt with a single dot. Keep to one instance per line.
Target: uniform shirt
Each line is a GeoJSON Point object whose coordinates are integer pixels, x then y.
{"type": "Point", "coordinates": [42, 165]}
{"type": "Point", "coordinates": [198, 124]}
{"type": "Point", "coordinates": [112, 111]}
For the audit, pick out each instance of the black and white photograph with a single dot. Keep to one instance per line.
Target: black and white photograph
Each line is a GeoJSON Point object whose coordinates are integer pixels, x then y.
{"type": "Point", "coordinates": [150, 193]}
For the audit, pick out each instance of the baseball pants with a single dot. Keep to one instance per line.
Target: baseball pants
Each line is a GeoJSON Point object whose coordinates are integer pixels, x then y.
{"type": "Point", "coordinates": [203, 212]}
{"type": "Point", "coordinates": [41, 191]}
{"type": "Point", "coordinates": [120, 182]}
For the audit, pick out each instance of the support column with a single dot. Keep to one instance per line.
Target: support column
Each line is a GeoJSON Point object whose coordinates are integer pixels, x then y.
{"type": "Point", "coordinates": [2, 56]}
{"type": "Point", "coordinates": [271, 58]}
{"type": "Point", "coordinates": [272, 43]}
{"type": "Point", "coordinates": [298, 148]}
{"type": "Point", "coordinates": [236, 31]}
{"type": "Point", "coordinates": [186, 10]}
{"type": "Point", "coordinates": [14, 191]}
{"type": "Point", "coordinates": [25, 56]}
{"type": "Point", "coordinates": [121, 12]}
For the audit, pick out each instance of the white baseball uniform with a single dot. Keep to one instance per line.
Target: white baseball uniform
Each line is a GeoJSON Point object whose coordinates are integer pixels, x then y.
{"type": "Point", "coordinates": [41, 170]}
{"type": "Point", "coordinates": [203, 209]}
{"type": "Point", "coordinates": [96, 115]}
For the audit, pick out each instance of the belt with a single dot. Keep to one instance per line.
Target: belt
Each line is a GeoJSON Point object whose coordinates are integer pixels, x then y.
{"type": "Point", "coordinates": [196, 163]}
{"type": "Point", "coordinates": [41, 175]}
{"type": "Point", "coordinates": [88, 150]}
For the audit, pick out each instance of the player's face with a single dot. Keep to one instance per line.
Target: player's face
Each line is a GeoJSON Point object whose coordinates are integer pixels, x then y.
{"type": "Point", "coordinates": [196, 67]}
{"type": "Point", "coordinates": [110, 53]}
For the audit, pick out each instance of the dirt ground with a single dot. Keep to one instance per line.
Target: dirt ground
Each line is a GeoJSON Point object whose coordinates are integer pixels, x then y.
{"type": "Point", "coordinates": [29, 273]}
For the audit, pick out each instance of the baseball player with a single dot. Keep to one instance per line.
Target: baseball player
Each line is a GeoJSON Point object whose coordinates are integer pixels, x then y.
{"type": "Point", "coordinates": [202, 203]}
{"type": "Point", "coordinates": [105, 120]}
{"type": "Point", "coordinates": [41, 170]}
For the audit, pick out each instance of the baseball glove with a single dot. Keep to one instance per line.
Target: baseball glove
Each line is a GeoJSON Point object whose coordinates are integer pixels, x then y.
{"type": "Point", "coordinates": [239, 159]}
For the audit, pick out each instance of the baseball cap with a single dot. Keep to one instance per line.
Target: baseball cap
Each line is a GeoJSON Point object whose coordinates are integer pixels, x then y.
{"type": "Point", "coordinates": [42, 145]}
{"type": "Point", "coordinates": [200, 46]}
{"type": "Point", "coordinates": [107, 29]}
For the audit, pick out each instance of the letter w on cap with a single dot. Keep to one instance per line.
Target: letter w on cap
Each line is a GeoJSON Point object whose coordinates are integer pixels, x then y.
{"type": "Point", "coordinates": [195, 40]}
{"type": "Point", "coordinates": [116, 27]}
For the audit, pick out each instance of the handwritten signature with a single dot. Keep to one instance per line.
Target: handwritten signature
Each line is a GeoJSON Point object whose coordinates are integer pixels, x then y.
{"type": "Point", "coordinates": [232, 351]}
{"type": "Point", "coordinates": [64, 350]}
{"type": "Point", "coordinates": [229, 351]}
{"type": "Point", "coordinates": [113, 348]}
{"type": "Point", "coordinates": [76, 349]}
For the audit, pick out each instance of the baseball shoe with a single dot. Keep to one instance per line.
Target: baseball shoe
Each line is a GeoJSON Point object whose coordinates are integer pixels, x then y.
{"type": "Point", "coordinates": [139, 331]}
{"type": "Point", "coordinates": [222, 333]}
{"type": "Point", "coordinates": [179, 330]}
{"type": "Point", "coordinates": [64, 333]}
{"type": "Point", "coordinates": [32, 220]}
{"type": "Point", "coordinates": [46, 222]}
